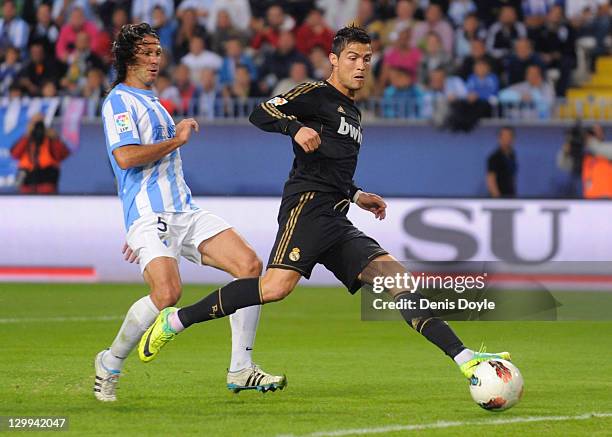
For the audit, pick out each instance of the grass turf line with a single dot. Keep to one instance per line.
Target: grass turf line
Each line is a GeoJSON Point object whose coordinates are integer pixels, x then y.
{"type": "Point", "coordinates": [343, 373]}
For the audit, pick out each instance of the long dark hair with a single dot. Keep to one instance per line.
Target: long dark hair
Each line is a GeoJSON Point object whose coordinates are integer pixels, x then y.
{"type": "Point", "coordinates": [125, 45]}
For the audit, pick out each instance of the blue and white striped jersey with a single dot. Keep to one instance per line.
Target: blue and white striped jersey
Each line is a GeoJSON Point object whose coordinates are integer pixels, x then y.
{"type": "Point", "coordinates": [135, 116]}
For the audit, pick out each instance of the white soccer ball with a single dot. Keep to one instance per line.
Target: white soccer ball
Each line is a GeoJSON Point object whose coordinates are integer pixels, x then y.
{"type": "Point", "coordinates": [496, 385]}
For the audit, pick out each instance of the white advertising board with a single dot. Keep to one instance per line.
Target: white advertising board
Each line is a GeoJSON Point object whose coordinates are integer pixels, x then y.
{"type": "Point", "coordinates": [43, 235]}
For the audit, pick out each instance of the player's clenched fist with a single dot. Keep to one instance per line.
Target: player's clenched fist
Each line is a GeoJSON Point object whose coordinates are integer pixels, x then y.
{"type": "Point", "coordinates": [308, 139]}
{"type": "Point", "coordinates": [184, 128]}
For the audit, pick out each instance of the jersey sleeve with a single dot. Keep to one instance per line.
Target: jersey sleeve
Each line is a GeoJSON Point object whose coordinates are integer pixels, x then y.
{"type": "Point", "coordinates": [284, 113]}
{"type": "Point", "coordinates": [119, 124]}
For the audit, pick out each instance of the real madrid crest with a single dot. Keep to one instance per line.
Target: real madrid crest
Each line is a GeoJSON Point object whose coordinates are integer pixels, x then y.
{"type": "Point", "coordinates": [295, 254]}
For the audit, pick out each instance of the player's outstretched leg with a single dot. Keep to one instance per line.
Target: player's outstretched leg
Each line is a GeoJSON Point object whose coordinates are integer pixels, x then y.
{"type": "Point", "coordinates": [109, 362]}
{"type": "Point", "coordinates": [424, 321]}
{"type": "Point", "coordinates": [229, 252]}
{"type": "Point", "coordinates": [226, 300]}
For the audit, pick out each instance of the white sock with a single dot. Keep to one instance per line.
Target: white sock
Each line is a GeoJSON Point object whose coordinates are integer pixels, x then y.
{"type": "Point", "coordinates": [137, 320]}
{"type": "Point", "coordinates": [464, 356]}
{"type": "Point", "coordinates": [244, 327]}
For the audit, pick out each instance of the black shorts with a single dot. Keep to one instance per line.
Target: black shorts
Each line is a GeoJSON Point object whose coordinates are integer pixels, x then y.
{"type": "Point", "coordinates": [313, 228]}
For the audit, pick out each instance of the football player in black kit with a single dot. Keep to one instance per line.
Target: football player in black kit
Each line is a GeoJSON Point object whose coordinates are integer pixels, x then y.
{"type": "Point", "coordinates": [325, 125]}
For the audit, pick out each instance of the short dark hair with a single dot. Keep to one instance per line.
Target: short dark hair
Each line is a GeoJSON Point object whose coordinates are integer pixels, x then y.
{"type": "Point", "coordinates": [125, 45]}
{"type": "Point", "coordinates": [347, 35]}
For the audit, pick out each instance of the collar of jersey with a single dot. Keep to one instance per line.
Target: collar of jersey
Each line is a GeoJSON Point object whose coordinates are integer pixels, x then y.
{"type": "Point", "coordinates": [148, 93]}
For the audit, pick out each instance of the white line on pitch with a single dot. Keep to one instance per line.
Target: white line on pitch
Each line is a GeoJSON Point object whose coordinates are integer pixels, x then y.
{"type": "Point", "coordinates": [60, 319]}
{"type": "Point", "coordinates": [444, 424]}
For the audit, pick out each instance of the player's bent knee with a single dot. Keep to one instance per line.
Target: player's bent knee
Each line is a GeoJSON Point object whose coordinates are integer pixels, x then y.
{"type": "Point", "coordinates": [166, 295]}
{"type": "Point", "coordinates": [276, 294]}
{"type": "Point", "coordinates": [275, 290]}
{"type": "Point", "coordinates": [250, 267]}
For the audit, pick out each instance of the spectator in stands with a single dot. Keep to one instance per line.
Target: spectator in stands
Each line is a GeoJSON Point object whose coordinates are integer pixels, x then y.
{"type": "Point", "coordinates": [338, 15]}
{"type": "Point", "coordinates": [515, 65]}
{"type": "Point", "coordinates": [165, 27]}
{"type": "Point", "coordinates": [534, 96]}
{"type": "Point", "coordinates": [267, 34]}
{"type": "Point", "coordinates": [367, 18]}
{"type": "Point", "coordinates": [94, 90]}
{"type": "Point", "coordinates": [103, 42]}
{"type": "Point", "coordinates": [298, 73]}
{"type": "Point", "coordinates": [535, 12]}
{"type": "Point", "coordinates": [44, 29]}
{"type": "Point", "coordinates": [187, 90]}
{"type": "Point", "coordinates": [62, 9]}
{"type": "Point", "coordinates": [444, 101]}
{"type": "Point", "coordinates": [39, 154]}
{"type": "Point", "coordinates": [276, 64]}
{"type": "Point", "coordinates": [225, 32]}
{"type": "Point", "coordinates": [9, 69]}
{"type": "Point", "coordinates": [66, 41]}
{"type": "Point", "coordinates": [314, 32]}
{"type": "Point", "coordinates": [502, 166]}
{"type": "Point", "coordinates": [48, 89]}
{"type": "Point", "coordinates": [234, 55]}
{"type": "Point", "coordinates": [240, 92]}
{"type": "Point", "coordinates": [489, 10]}
{"type": "Point", "coordinates": [470, 30]}
{"type": "Point", "coordinates": [434, 22]}
{"type": "Point", "coordinates": [239, 10]}
{"type": "Point", "coordinates": [38, 68]}
{"type": "Point", "coordinates": [404, 18]}
{"type": "Point", "coordinates": [556, 44]}
{"type": "Point", "coordinates": [208, 95]}
{"type": "Point", "coordinates": [502, 35]}
{"type": "Point", "coordinates": [14, 31]}
{"type": "Point", "coordinates": [320, 63]}
{"type": "Point", "coordinates": [201, 8]}
{"type": "Point", "coordinates": [78, 63]}
{"type": "Point", "coordinates": [168, 94]}
{"type": "Point", "coordinates": [401, 55]}
{"type": "Point", "coordinates": [590, 18]}
{"type": "Point", "coordinates": [458, 11]}
{"type": "Point", "coordinates": [403, 98]}
{"type": "Point", "coordinates": [199, 58]}
{"type": "Point", "coordinates": [478, 51]}
{"type": "Point", "coordinates": [15, 91]}
{"type": "Point", "coordinates": [482, 87]}
{"type": "Point", "coordinates": [188, 29]}
{"type": "Point", "coordinates": [142, 10]}
{"type": "Point", "coordinates": [434, 57]}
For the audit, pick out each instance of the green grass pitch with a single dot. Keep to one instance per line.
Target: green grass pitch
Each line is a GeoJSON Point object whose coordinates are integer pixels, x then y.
{"type": "Point", "coordinates": [344, 374]}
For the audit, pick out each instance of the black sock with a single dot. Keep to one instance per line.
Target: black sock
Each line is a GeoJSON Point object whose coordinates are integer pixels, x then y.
{"type": "Point", "coordinates": [425, 323]}
{"type": "Point", "coordinates": [226, 300]}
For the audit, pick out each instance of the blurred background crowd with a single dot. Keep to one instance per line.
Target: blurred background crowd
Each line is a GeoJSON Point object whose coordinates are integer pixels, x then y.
{"type": "Point", "coordinates": [451, 61]}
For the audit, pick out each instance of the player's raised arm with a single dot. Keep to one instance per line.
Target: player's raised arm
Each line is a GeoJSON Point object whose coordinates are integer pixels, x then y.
{"type": "Point", "coordinates": [138, 155]}
{"type": "Point", "coordinates": [285, 114]}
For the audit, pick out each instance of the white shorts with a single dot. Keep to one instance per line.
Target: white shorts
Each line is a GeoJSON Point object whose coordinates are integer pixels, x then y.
{"type": "Point", "coordinates": [173, 234]}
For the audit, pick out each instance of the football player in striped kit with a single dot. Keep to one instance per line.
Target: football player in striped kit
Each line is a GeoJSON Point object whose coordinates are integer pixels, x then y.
{"type": "Point", "coordinates": [162, 221]}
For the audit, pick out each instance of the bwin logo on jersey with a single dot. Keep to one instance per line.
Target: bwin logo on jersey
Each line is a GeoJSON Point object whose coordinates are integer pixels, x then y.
{"type": "Point", "coordinates": [348, 129]}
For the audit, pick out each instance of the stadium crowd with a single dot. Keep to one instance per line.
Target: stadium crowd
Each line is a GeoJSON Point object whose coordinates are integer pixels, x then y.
{"type": "Point", "coordinates": [431, 59]}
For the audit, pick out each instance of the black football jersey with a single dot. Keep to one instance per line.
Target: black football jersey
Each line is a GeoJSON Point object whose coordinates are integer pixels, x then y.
{"type": "Point", "coordinates": [319, 106]}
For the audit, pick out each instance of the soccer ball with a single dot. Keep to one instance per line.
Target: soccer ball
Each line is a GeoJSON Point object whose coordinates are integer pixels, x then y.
{"type": "Point", "coordinates": [496, 385]}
